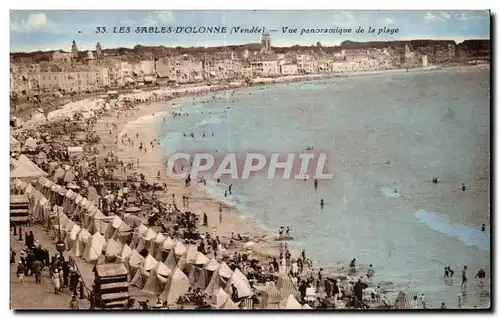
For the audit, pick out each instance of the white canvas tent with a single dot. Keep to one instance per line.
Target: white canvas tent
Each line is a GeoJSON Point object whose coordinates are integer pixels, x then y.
{"type": "Point", "coordinates": [150, 262]}
{"type": "Point", "coordinates": [290, 303]}
{"type": "Point", "coordinates": [78, 247]}
{"type": "Point", "coordinates": [177, 285]}
{"type": "Point", "coordinates": [15, 145]}
{"type": "Point", "coordinates": [140, 278]}
{"type": "Point", "coordinates": [125, 253]}
{"type": "Point", "coordinates": [134, 261]}
{"type": "Point", "coordinates": [219, 298]}
{"type": "Point", "coordinates": [26, 169]}
{"type": "Point", "coordinates": [241, 283]}
{"type": "Point", "coordinates": [225, 271]}
{"type": "Point", "coordinates": [157, 279]}
{"type": "Point", "coordinates": [94, 248]}
{"type": "Point", "coordinates": [112, 249]}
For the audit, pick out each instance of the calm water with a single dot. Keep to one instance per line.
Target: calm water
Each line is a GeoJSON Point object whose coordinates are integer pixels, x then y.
{"type": "Point", "coordinates": [425, 123]}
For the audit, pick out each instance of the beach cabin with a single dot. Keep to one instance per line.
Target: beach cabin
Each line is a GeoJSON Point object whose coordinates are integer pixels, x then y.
{"type": "Point", "coordinates": [19, 212]}
{"type": "Point", "coordinates": [111, 286]}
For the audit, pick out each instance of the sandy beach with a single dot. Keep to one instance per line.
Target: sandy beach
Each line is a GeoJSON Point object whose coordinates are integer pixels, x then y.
{"type": "Point", "coordinates": [139, 122]}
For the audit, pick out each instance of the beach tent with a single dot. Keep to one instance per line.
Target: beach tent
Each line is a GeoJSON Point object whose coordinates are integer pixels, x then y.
{"type": "Point", "coordinates": [157, 279]}
{"type": "Point", "coordinates": [215, 283]}
{"type": "Point", "coordinates": [26, 169]}
{"type": "Point", "coordinates": [197, 276]}
{"type": "Point", "coordinates": [125, 253]}
{"type": "Point", "coordinates": [286, 286]}
{"type": "Point", "coordinates": [72, 236]}
{"type": "Point", "coordinates": [210, 269]}
{"type": "Point", "coordinates": [164, 249]}
{"type": "Point", "coordinates": [134, 261]}
{"type": "Point", "coordinates": [140, 278]}
{"type": "Point", "coordinates": [145, 240]}
{"type": "Point", "coordinates": [200, 260]}
{"type": "Point", "coordinates": [94, 248]}
{"type": "Point", "coordinates": [112, 250]}
{"type": "Point", "coordinates": [212, 265]}
{"type": "Point", "coordinates": [171, 261]}
{"type": "Point", "coordinates": [153, 246]}
{"type": "Point", "coordinates": [149, 263]}
{"type": "Point", "coordinates": [179, 249]}
{"type": "Point", "coordinates": [78, 247]}
{"type": "Point", "coordinates": [241, 283]}
{"type": "Point", "coordinates": [177, 285]}
{"type": "Point", "coordinates": [271, 296]}
{"type": "Point", "coordinates": [290, 303]}
{"type": "Point", "coordinates": [219, 298]}
{"type": "Point", "coordinates": [100, 222]}
{"type": "Point", "coordinates": [306, 306]}
{"type": "Point", "coordinates": [138, 233]}
{"type": "Point", "coordinates": [15, 146]}
{"type": "Point", "coordinates": [114, 224]}
{"type": "Point", "coordinates": [224, 271]}
{"type": "Point", "coordinates": [123, 233]}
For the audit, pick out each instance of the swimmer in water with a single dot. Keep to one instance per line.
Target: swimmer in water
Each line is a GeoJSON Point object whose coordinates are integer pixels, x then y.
{"type": "Point", "coordinates": [435, 180]}
{"type": "Point", "coordinates": [322, 203]}
{"type": "Point", "coordinates": [463, 187]}
{"type": "Point", "coordinates": [483, 227]}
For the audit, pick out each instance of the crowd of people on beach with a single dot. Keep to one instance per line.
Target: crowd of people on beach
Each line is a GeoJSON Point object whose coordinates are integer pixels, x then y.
{"type": "Point", "coordinates": [117, 188]}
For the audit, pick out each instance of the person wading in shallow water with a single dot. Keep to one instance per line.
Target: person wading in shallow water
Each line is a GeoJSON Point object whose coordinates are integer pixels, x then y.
{"type": "Point", "coordinates": [464, 278]}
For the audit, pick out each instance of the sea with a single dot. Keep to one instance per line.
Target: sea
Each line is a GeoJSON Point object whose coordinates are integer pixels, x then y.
{"type": "Point", "coordinates": [386, 136]}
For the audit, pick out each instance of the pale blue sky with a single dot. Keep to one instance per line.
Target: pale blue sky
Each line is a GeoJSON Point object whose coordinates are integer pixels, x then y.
{"type": "Point", "coordinates": [50, 30]}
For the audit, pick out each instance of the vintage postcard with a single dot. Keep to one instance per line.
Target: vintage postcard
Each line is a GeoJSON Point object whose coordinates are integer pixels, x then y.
{"type": "Point", "coordinates": [251, 160]}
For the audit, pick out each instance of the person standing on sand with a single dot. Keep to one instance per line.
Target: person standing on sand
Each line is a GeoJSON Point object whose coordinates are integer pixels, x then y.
{"type": "Point", "coordinates": [20, 271]}
{"type": "Point", "coordinates": [73, 305]}
{"type": "Point", "coordinates": [56, 281]}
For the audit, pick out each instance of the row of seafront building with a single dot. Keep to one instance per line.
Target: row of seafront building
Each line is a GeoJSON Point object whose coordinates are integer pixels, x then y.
{"type": "Point", "coordinates": [78, 71]}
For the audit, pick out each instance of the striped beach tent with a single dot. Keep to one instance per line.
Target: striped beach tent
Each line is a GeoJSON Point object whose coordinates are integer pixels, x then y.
{"type": "Point", "coordinates": [271, 296]}
{"type": "Point", "coordinates": [404, 298]}
{"type": "Point", "coordinates": [286, 286]}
